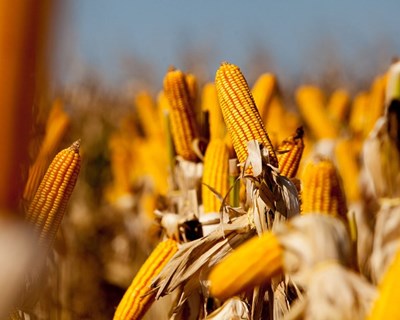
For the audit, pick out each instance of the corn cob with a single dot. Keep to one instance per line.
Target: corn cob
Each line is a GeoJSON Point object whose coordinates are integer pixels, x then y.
{"type": "Point", "coordinates": [338, 105]}
{"type": "Point", "coordinates": [251, 264]}
{"type": "Point", "coordinates": [376, 103]}
{"type": "Point", "coordinates": [215, 174]}
{"type": "Point", "coordinates": [310, 101]}
{"type": "Point", "coordinates": [289, 154]}
{"type": "Point", "coordinates": [210, 104]}
{"type": "Point", "coordinates": [183, 125]}
{"type": "Point", "coordinates": [56, 127]}
{"type": "Point", "coordinates": [50, 201]}
{"type": "Point", "coordinates": [148, 116]}
{"type": "Point", "coordinates": [263, 91]}
{"type": "Point", "coordinates": [358, 114]}
{"type": "Point", "coordinates": [348, 168]}
{"type": "Point", "coordinates": [23, 31]}
{"type": "Point", "coordinates": [321, 189]}
{"type": "Point", "coordinates": [138, 298]}
{"type": "Point", "coordinates": [240, 112]}
{"type": "Point", "coordinates": [386, 304]}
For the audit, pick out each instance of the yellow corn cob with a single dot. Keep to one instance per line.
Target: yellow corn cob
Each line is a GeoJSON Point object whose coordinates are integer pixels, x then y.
{"type": "Point", "coordinates": [358, 114]}
{"type": "Point", "coordinates": [276, 121]}
{"type": "Point", "coordinates": [289, 154]}
{"type": "Point", "coordinates": [321, 189]}
{"type": "Point", "coordinates": [23, 37]}
{"type": "Point", "coordinates": [346, 158]}
{"type": "Point", "coordinates": [184, 128]}
{"type": "Point", "coordinates": [263, 91]}
{"type": "Point", "coordinates": [240, 112]}
{"type": "Point", "coordinates": [209, 101]}
{"type": "Point", "coordinates": [56, 127]}
{"type": "Point", "coordinates": [215, 174]}
{"type": "Point", "coordinates": [148, 116]}
{"type": "Point", "coordinates": [376, 103]}
{"type": "Point", "coordinates": [386, 304]}
{"type": "Point", "coordinates": [338, 105]}
{"type": "Point", "coordinates": [138, 298]}
{"type": "Point", "coordinates": [50, 201]}
{"type": "Point", "coordinates": [251, 264]}
{"type": "Point", "coordinates": [310, 101]}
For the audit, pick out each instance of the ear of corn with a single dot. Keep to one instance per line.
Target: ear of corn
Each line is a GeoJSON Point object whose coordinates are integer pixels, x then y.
{"type": "Point", "coordinates": [263, 92]}
{"type": "Point", "coordinates": [56, 127]}
{"type": "Point", "coordinates": [240, 112]}
{"type": "Point", "coordinates": [346, 159]}
{"type": "Point", "coordinates": [215, 174]}
{"type": "Point", "coordinates": [251, 264]}
{"type": "Point", "coordinates": [50, 201]}
{"type": "Point", "coordinates": [310, 101]}
{"type": "Point", "coordinates": [321, 189]}
{"type": "Point", "coordinates": [210, 104]}
{"type": "Point", "coordinates": [358, 114]}
{"type": "Point", "coordinates": [138, 298]}
{"type": "Point", "coordinates": [148, 116]}
{"type": "Point", "coordinates": [338, 105]}
{"type": "Point", "coordinates": [386, 305]}
{"type": "Point", "coordinates": [376, 103]}
{"type": "Point", "coordinates": [183, 124]}
{"type": "Point", "coordinates": [192, 86]}
{"type": "Point", "coordinates": [289, 154]}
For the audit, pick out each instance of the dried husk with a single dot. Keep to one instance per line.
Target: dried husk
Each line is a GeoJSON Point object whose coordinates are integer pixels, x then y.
{"type": "Point", "coordinates": [233, 308]}
{"type": "Point", "coordinates": [386, 239]}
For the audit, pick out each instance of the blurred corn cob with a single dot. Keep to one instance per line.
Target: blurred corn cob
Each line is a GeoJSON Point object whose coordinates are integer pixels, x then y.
{"type": "Point", "coordinates": [50, 201]}
{"type": "Point", "coordinates": [376, 103]}
{"type": "Point", "coordinates": [183, 122]}
{"type": "Point", "coordinates": [215, 174]}
{"type": "Point", "coordinates": [346, 159]}
{"type": "Point", "coordinates": [338, 105]}
{"type": "Point", "coordinates": [289, 154]}
{"type": "Point", "coordinates": [23, 45]}
{"type": "Point", "coordinates": [240, 113]}
{"type": "Point", "coordinates": [56, 127]}
{"type": "Point", "coordinates": [209, 101]}
{"type": "Point", "coordinates": [385, 306]}
{"type": "Point", "coordinates": [148, 115]}
{"type": "Point", "coordinates": [139, 296]}
{"type": "Point", "coordinates": [263, 92]}
{"type": "Point", "coordinates": [311, 103]}
{"type": "Point", "coordinates": [321, 189]}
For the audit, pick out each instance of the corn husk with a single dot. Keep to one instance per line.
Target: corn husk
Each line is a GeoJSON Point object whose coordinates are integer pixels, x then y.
{"type": "Point", "coordinates": [386, 238]}
{"type": "Point", "coordinates": [188, 269]}
{"type": "Point", "coordinates": [233, 308]}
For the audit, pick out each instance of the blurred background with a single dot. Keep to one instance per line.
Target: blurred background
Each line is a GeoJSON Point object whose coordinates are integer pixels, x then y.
{"type": "Point", "coordinates": [103, 53]}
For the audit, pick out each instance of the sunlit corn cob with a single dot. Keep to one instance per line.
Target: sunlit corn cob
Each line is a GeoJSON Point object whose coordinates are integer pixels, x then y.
{"type": "Point", "coordinates": [386, 305]}
{"type": "Point", "coordinates": [240, 112]}
{"type": "Point", "coordinates": [251, 264]}
{"type": "Point", "coordinates": [148, 116]}
{"type": "Point", "coordinates": [321, 189]}
{"type": "Point", "coordinates": [289, 154]}
{"type": "Point", "coordinates": [263, 90]}
{"type": "Point", "coordinates": [215, 174]}
{"type": "Point", "coordinates": [183, 124]}
{"type": "Point", "coordinates": [50, 201]}
{"type": "Point", "coordinates": [310, 101]}
{"type": "Point", "coordinates": [56, 127]}
{"type": "Point", "coordinates": [138, 298]}
{"type": "Point", "coordinates": [346, 159]}
{"type": "Point", "coordinates": [209, 102]}
{"type": "Point", "coordinates": [338, 105]}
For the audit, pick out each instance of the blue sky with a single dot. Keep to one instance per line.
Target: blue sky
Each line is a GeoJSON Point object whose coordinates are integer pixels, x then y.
{"type": "Point", "coordinates": [99, 33]}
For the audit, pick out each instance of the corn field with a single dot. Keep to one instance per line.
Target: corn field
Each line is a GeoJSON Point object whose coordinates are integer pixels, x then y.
{"type": "Point", "coordinates": [218, 199]}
